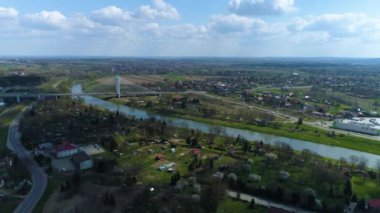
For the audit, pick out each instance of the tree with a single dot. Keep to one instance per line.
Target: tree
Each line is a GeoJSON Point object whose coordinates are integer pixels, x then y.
{"type": "Point", "coordinates": [280, 193]}
{"type": "Point", "coordinates": [112, 200]}
{"type": "Point", "coordinates": [354, 198]}
{"type": "Point", "coordinates": [300, 121]}
{"type": "Point", "coordinates": [246, 146]}
{"type": "Point", "coordinates": [361, 204]}
{"type": "Point", "coordinates": [362, 164]}
{"type": "Point", "coordinates": [310, 202]}
{"type": "Point", "coordinates": [378, 169]}
{"type": "Point", "coordinates": [252, 205]}
{"type": "Point", "coordinates": [347, 188]}
{"type": "Point", "coordinates": [212, 195]}
{"type": "Point", "coordinates": [76, 179]}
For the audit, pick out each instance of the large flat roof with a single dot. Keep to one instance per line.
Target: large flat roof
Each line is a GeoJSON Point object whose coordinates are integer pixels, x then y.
{"type": "Point", "coordinates": [363, 121]}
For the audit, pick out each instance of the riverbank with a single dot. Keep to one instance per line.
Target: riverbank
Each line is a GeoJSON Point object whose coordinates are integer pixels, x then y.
{"type": "Point", "coordinates": [289, 130]}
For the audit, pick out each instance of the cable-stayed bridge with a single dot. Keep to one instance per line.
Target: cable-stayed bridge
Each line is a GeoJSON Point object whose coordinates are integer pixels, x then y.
{"type": "Point", "coordinates": [131, 90]}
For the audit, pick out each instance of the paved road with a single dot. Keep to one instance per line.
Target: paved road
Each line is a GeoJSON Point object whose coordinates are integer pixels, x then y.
{"type": "Point", "coordinates": [39, 177]}
{"type": "Point", "coordinates": [266, 203]}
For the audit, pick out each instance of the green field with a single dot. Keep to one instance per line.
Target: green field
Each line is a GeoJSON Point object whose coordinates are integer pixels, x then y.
{"type": "Point", "coordinates": [229, 206]}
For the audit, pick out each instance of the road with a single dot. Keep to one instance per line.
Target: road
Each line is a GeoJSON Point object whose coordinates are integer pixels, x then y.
{"type": "Point", "coordinates": [240, 103]}
{"type": "Point", "coordinates": [264, 202]}
{"type": "Point", "coordinates": [39, 177]}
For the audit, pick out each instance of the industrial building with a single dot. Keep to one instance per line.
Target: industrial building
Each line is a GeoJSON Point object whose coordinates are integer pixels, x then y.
{"type": "Point", "coordinates": [366, 125]}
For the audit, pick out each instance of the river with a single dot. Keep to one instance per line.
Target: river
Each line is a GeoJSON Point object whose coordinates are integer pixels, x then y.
{"type": "Point", "coordinates": [320, 149]}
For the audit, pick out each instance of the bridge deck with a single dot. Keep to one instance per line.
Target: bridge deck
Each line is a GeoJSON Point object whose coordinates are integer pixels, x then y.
{"type": "Point", "coordinates": [34, 95]}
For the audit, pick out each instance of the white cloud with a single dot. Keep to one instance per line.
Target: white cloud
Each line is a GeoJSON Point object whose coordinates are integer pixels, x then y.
{"type": "Point", "coordinates": [111, 15]}
{"type": "Point", "coordinates": [242, 25]}
{"type": "Point", "coordinates": [146, 31]}
{"type": "Point", "coordinates": [159, 10]}
{"type": "Point", "coordinates": [46, 20]}
{"type": "Point", "coordinates": [261, 7]}
{"type": "Point", "coordinates": [8, 13]}
{"type": "Point", "coordinates": [232, 23]}
{"type": "Point", "coordinates": [338, 25]}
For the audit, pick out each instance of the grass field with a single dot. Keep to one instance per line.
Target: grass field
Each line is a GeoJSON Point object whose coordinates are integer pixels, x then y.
{"type": "Point", "coordinates": [364, 187]}
{"type": "Point", "coordinates": [229, 206]}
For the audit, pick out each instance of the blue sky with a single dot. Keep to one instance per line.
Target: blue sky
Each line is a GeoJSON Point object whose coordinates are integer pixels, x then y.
{"type": "Point", "coordinates": [257, 28]}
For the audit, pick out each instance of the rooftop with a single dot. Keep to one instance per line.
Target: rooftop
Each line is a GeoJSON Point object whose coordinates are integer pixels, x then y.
{"type": "Point", "coordinates": [80, 157]}
{"type": "Point", "coordinates": [367, 121]}
{"type": "Point", "coordinates": [374, 203]}
{"type": "Point", "coordinates": [65, 147]}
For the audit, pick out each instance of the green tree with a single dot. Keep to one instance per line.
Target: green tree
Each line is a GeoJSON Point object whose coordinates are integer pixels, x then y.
{"type": "Point", "coordinates": [347, 188]}
{"type": "Point", "coordinates": [300, 121]}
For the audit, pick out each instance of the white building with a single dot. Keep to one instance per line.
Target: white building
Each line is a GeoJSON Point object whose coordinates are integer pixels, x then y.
{"type": "Point", "coordinates": [367, 125]}
{"type": "Point", "coordinates": [82, 161]}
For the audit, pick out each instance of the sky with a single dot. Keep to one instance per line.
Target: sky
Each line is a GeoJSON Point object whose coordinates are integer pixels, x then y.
{"type": "Point", "coordinates": [216, 28]}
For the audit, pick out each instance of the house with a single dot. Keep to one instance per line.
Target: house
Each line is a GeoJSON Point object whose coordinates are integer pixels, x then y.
{"type": "Point", "coordinates": [218, 175]}
{"type": "Point", "coordinates": [45, 146]}
{"type": "Point", "coordinates": [374, 204]}
{"type": "Point", "coordinates": [167, 167]}
{"type": "Point", "coordinates": [65, 150]}
{"type": "Point", "coordinates": [82, 161]}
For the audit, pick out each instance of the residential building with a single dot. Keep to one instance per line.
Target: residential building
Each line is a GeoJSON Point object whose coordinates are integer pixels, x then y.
{"type": "Point", "coordinates": [82, 161]}
{"type": "Point", "coordinates": [66, 150]}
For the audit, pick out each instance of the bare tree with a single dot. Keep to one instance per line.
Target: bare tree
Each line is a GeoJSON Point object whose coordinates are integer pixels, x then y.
{"type": "Point", "coordinates": [353, 160]}
{"type": "Point", "coordinates": [362, 163]}
{"type": "Point", "coordinates": [378, 169]}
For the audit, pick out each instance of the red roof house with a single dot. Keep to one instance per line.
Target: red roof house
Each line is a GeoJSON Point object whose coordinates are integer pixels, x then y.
{"type": "Point", "coordinates": [65, 150]}
{"type": "Point", "coordinates": [374, 203]}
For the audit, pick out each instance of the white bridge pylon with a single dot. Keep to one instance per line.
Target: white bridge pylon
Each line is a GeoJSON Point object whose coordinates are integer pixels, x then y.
{"type": "Point", "coordinates": [117, 79]}
{"type": "Point", "coordinates": [130, 88]}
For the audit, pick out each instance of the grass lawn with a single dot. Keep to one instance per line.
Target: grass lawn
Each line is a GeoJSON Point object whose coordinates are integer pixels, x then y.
{"type": "Point", "coordinates": [9, 206]}
{"type": "Point", "coordinates": [364, 187]}
{"type": "Point", "coordinates": [230, 205]}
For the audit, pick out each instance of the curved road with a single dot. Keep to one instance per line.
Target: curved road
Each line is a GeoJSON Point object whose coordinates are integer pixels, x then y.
{"type": "Point", "coordinates": [39, 177]}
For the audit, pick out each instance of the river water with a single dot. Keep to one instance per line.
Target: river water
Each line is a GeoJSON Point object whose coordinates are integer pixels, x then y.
{"type": "Point", "coordinates": [320, 149]}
